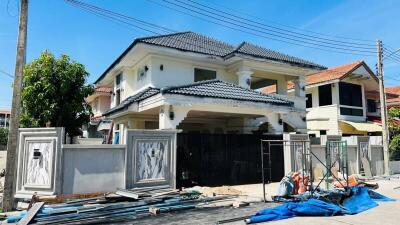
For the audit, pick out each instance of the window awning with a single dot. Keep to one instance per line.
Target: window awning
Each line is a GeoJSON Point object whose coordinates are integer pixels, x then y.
{"type": "Point", "coordinates": [359, 126]}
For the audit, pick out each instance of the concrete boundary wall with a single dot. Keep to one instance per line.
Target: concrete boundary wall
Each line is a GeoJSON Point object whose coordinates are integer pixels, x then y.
{"type": "Point", "coordinates": [394, 167]}
{"type": "Point", "coordinates": [48, 166]}
{"type": "Point", "coordinates": [355, 146]}
{"type": "Point", "coordinates": [92, 168]}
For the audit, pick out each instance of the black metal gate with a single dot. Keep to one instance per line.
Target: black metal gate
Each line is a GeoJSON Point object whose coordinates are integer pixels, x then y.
{"type": "Point", "coordinates": [223, 159]}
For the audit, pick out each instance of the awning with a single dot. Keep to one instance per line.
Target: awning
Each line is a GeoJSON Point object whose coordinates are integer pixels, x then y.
{"type": "Point", "coordinates": [104, 125]}
{"type": "Point", "coordinates": [359, 126]}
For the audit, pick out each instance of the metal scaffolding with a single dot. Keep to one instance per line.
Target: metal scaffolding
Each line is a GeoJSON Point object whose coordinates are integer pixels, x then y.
{"type": "Point", "coordinates": [302, 161]}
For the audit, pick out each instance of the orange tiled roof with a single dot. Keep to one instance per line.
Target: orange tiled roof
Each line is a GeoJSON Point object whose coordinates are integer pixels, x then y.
{"type": "Point", "coordinates": [103, 89]}
{"type": "Point", "coordinates": [329, 74]}
{"type": "Point", "coordinates": [393, 90]}
{"type": "Point", "coordinates": [5, 111]}
{"type": "Point", "coordinates": [393, 100]}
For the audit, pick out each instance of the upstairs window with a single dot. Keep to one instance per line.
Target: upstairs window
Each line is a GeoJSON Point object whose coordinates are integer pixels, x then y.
{"type": "Point", "coordinates": [203, 74]}
{"type": "Point", "coordinates": [309, 101]}
{"type": "Point", "coordinates": [351, 111]}
{"type": "Point", "coordinates": [118, 79]}
{"type": "Point", "coordinates": [350, 94]}
{"type": "Point", "coordinates": [118, 97]}
{"type": "Point", "coordinates": [371, 105]}
{"type": "Point", "coordinates": [325, 95]}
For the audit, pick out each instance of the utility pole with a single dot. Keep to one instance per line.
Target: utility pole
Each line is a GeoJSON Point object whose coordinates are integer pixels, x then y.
{"type": "Point", "coordinates": [385, 130]}
{"type": "Point", "coordinates": [11, 165]}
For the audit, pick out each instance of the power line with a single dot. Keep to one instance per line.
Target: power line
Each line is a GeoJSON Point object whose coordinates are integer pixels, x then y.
{"type": "Point", "coordinates": [116, 18]}
{"type": "Point", "coordinates": [394, 54]}
{"type": "Point", "coordinates": [245, 26]}
{"type": "Point", "coordinates": [190, 9]}
{"type": "Point", "coordinates": [7, 74]}
{"type": "Point", "coordinates": [259, 35]}
{"type": "Point", "coordinates": [287, 26]}
{"type": "Point", "coordinates": [276, 29]}
{"type": "Point", "coordinates": [391, 78]}
{"type": "Point", "coordinates": [164, 29]}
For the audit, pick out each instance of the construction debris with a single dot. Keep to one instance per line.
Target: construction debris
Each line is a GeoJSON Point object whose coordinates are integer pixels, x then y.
{"type": "Point", "coordinates": [214, 191]}
{"type": "Point", "coordinates": [123, 205]}
{"type": "Point", "coordinates": [239, 204]}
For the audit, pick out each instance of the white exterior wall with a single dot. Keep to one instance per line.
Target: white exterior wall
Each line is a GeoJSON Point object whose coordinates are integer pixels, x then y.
{"type": "Point", "coordinates": [323, 118]}
{"type": "Point", "coordinates": [180, 72]}
{"type": "Point", "coordinates": [326, 117]}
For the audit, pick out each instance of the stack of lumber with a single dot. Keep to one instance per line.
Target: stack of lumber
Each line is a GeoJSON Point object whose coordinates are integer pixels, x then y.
{"type": "Point", "coordinates": [121, 206]}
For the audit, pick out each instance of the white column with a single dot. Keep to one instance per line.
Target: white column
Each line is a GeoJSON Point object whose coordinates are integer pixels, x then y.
{"type": "Point", "coordinates": [273, 121]}
{"type": "Point", "coordinates": [300, 86]}
{"type": "Point", "coordinates": [244, 77]}
{"type": "Point", "coordinates": [281, 86]}
{"type": "Point", "coordinates": [171, 116]}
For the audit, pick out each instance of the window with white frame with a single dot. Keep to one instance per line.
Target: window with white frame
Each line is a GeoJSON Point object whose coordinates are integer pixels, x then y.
{"type": "Point", "coordinates": [350, 98]}
{"type": "Point", "coordinates": [204, 74]}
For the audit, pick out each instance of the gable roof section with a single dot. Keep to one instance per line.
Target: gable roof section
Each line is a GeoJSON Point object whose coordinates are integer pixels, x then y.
{"type": "Point", "coordinates": [205, 89]}
{"type": "Point", "coordinates": [334, 73]}
{"type": "Point", "coordinates": [197, 43]}
{"type": "Point", "coordinates": [260, 52]}
{"type": "Point", "coordinates": [338, 72]}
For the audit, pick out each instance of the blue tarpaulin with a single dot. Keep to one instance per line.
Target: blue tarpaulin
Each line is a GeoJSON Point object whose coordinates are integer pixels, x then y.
{"type": "Point", "coordinates": [361, 199]}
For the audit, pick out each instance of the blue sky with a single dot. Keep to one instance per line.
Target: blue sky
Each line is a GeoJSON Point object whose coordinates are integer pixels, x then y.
{"type": "Point", "coordinates": [96, 42]}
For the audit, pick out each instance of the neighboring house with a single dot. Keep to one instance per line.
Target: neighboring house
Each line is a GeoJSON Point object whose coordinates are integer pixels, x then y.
{"type": "Point", "coordinates": [100, 102]}
{"type": "Point", "coordinates": [392, 96]}
{"type": "Point", "coordinates": [198, 84]}
{"type": "Point", "coordinates": [5, 115]}
{"type": "Point", "coordinates": [342, 100]}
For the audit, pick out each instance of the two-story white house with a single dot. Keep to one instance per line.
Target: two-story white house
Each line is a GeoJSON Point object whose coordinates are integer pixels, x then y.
{"type": "Point", "coordinates": [198, 84]}
{"type": "Point", "coordinates": [342, 100]}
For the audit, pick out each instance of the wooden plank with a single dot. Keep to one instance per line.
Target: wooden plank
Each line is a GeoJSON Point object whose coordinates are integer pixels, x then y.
{"type": "Point", "coordinates": [31, 213]}
{"type": "Point", "coordinates": [63, 198]}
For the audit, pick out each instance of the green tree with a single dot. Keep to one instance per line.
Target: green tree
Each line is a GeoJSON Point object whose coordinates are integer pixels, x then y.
{"type": "Point", "coordinates": [3, 136]}
{"type": "Point", "coordinates": [54, 92]}
{"type": "Point", "coordinates": [394, 132]}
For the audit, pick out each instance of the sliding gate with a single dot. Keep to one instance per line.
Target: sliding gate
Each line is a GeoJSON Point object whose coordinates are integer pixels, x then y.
{"type": "Point", "coordinates": [223, 159]}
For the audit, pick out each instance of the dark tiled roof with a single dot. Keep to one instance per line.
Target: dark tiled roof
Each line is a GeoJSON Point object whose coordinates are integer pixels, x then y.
{"type": "Point", "coordinates": [148, 92]}
{"type": "Point", "coordinates": [193, 42]}
{"type": "Point", "coordinates": [211, 89]}
{"type": "Point", "coordinates": [221, 89]}
{"type": "Point", "coordinates": [257, 51]}
{"type": "Point", "coordinates": [189, 41]}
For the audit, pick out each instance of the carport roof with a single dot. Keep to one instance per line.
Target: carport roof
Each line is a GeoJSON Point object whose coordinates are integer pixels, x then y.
{"type": "Point", "coordinates": [205, 89]}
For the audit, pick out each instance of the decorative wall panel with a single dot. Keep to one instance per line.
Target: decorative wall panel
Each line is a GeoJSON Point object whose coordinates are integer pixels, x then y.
{"type": "Point", "coordinates": [39, 157]}
{"type": "Point", "coordinates": [151, 158]}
